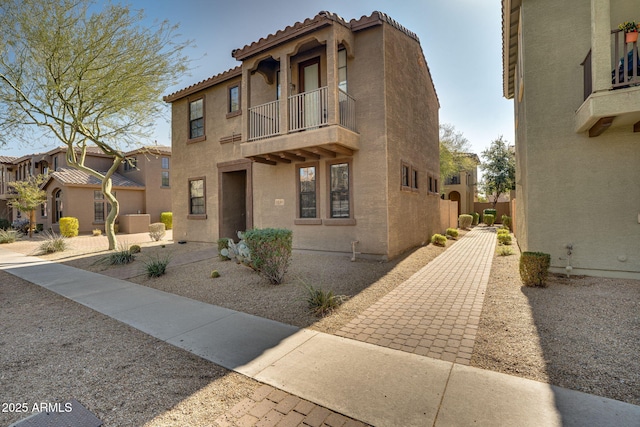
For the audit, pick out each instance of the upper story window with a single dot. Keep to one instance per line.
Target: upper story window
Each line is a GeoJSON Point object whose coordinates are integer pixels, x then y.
{"type": "Point", "coordinates": [55, 163]}
{"type": "Point", "coordinates": [165, 163]}
{"type": "Point", "coordinates": [233, 107]}
{"type": "Point", "coordinates": [196, 118]}
{"type": "Point", "coordinates": [342, 69]}
{"type": "Point", "coordinates": [453, 180]}
{"type": "Point", "coordinates": [130, 164]}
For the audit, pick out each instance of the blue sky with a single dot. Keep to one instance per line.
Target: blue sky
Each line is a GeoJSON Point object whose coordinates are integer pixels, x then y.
{"type": "Point", "coordinates": [461, 40]}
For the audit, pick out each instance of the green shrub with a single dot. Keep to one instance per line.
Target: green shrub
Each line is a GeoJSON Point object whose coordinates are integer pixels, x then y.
{"type": "Point", "coordinates": [39, 228]}
{"type": "Point", "coordinates": [7, 236]}
{"type": "Point", "coordinates": [321, 302]}
{"type": "Point", "coordinates": [121, 256]}
{"type": "Point", "coordinates": [69, 226]}
{"type": "Point", "coordinates": [167, 219]}
{"type": "Point", "coordinates": [215, 274]}
{"type": "Point", "coordinates": [453, 232]}
{"type": "Point", "coordinates": [504, 238]}
{"type": "Point", "coordinates": [135, 249]}
{"type": "Point", "coordinates": [157, 231]}
{"type": "Point", "coordinates": [503, 231]}
{"type": "Point", "coordinates": [534, 267]}
{"type": "Point", "coordinates": [489, 212]}
{"type": "Point", "coordinates": [439, 240]}
{"type": "Point", "coordinates": [488, 219]}
{"type": "Point", "coordinates": [223, 244]}
{"type": "Point", "coordinates": [53, 243]}
{"type": "Point", "coordinates": [4, 224]}
{"type": "Point", "coordinates": [505, 250]}
{"type": "Point", "coordinates": [157, 266]}
{"type": "Point", "coordinates": [506, 221]}
{"type": "Point", "coordinates": [476, 218]}
{"type": "Point", "coordinates": [270, 251]}
{"type": "Point", "coordinates": [464, 221]}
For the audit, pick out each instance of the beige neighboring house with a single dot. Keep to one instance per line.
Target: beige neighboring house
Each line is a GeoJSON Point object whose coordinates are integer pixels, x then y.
{"type": "Point", "coordinates": [328, 128]}
{"type": "Point", "coordinates": [463, 187]}
{"type": "Point", "coordinates": [577, 112]}
{"type": "Point", "coordinates": [141, 186]}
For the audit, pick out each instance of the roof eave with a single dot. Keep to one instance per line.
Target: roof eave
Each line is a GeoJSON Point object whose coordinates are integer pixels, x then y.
{"type": "Point", "coordinates": [510, 24]}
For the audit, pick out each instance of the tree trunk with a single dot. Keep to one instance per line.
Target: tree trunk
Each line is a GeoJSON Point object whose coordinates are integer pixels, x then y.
{"type": "Point", "coordinates": [32, 220]}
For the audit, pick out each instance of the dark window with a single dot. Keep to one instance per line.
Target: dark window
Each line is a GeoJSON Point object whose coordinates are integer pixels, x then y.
{"type": "Point", "coordinates": [130, 164]}
{"type": "Point", "coordinates": [234, 99]}
{"type": "Point", "coordinates": [196, 118]}
{"type": "Point", "coordinates": [165, 178]}
{"type": "Point", "coordinates": [165, 163]}
{"type": "Point", "coordinates": [58, 208]}
{"type": "Point", "coordinates": [339, 191]}
{"type": "Point", "coordinates": [435, 186]}
{"type": "Point", "coordinates": [43, 210]}
{"type": "Point", "coordinates": [308, 196]}
{"type": "Point", "coordinates": [196, 197]}
{"type": "Point", "coordinates": [414, 179]}
{"type": "Point", "coordinates": [98, 211]}
{"type": "Point", "coordinates": [405, 175]}
{"type": "Point", "coordinates": [431, 184]}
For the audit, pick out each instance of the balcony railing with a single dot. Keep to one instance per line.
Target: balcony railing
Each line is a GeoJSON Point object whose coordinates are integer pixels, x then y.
{"type": "Point", "coordinates": [264, 120]}
{"type": "Point", "coordinates": [307, 110]}
{"type": "Point", "coordinates": [625, 69]}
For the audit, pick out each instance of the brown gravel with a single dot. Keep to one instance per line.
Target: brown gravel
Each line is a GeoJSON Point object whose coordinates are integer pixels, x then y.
{"type": "Point", "coordinates": [579, 333]}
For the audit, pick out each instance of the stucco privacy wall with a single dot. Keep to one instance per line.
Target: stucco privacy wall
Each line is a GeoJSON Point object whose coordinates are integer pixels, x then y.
{"type": "Point", "coordinates": [573, 189]}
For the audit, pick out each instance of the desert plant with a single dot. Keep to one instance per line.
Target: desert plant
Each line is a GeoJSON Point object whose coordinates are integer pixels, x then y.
{"type": "Point", "coordinates": [504, 238]}
{"type": "Point", "coordinates": [488, 219]}
{"type": "Point", "coordinates": [503, 231]}
{"type": "Point", "coordinates": [69, 226]}
{"type": "Point", "coordinates": [239, 252]}
{"type": "Point", "coordinates": [53, 243]}
{"type": "Point", "coordinates": [157, 231]}
{"type": "Point", "coordinates": [21, 225]}
{"type": "Point", "coordinates": [215, 274]}
{"type": "Point", "coordinates": [270, 252]}
{"type": "Point", "coordinates": [4, 224]}
{"type": "Point", "coordinates": [439, 240]}
{"type": "Point", "coordinates": [157, 266]}
{"type": "Point", "coordinates": [223, 244]}
{"type": "Point", "coordinates": [464, 221]}
{"type": "Point", "coordinates": [505, 251]}
{"type": "Point", "coordinates": [135, 249]}
{"type": "Point", "coordinates": [534, 267]}
{"type": "Point", "coordinates": [489, 212]}
{"type": "Point", "coordinates": [476, 218]}
{"type": "Point", "coordinates": [167, 219]}
{"type": "Point", "coordinates": [506, 221]}
{"type": "Point", "coordinates": [453, 232]}
{"type": "Point", "coordinates": [97, 232]}
{"type": "Point", "coordinates": [8, 236]}
{"type": "Point", "coordinates": [322, 302]}
{"type": "Point", "coordinates": [120, 256]}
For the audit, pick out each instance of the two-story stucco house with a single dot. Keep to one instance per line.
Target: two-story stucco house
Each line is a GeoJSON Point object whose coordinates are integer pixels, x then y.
{"type": "Point", "coordinates": [576, 91]}
{"type": "Point", "coordinates": [463, 187]}
{"type": "Point", "coordinates": [328, 128]}
{"type": "Point", "coordinates": [141, 185]}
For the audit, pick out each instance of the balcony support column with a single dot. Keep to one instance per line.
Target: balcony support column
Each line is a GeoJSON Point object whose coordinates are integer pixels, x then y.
{"type": "Point", "coordinates": [601, 45]}
{"type": "Point", "coordinates": [285, 92]}
{"type": "Point", "coordinates": [332, 78]}
{"type": "Point", "coordinates": [245, 100]}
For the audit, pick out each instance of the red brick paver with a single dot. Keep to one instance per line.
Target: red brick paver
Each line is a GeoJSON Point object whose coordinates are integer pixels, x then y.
{"type": "Point", "coordinates": [436, 312]}
{"type": "Point", "coordinates": [270, 407]}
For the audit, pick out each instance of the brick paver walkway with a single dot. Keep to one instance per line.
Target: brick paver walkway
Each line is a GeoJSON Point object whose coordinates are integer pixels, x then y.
{"type": "Point", "coordinates": [269, 407]}
{"type": "Point", "coordinates": [436, 312]}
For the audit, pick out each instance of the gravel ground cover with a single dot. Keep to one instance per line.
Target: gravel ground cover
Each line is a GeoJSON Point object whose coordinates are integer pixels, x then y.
{"type": "Point", "coordinates": [579, 333]}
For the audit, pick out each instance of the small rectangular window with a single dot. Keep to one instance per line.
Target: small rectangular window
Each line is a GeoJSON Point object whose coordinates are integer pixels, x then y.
{"type": "Point", "coordinates": [130, 164]}
{"type": "Point", "coordinates": [307, 192]}
{"type": "Point", "coordinates": [414, 179]}
{"type": "Point", "coordinates": [342, 69]}
{"type": "Point", "coordinates": [98, 211]}
{"type": "Point", "coordinates": [165, 163]}
{"type": "Point", "coordinates": [165, 178]}
{"type": "Point", "coordinates": [405, 176]}
{"type": "Point", "coordinates": [43, 210]}
{"type": "Point", "coordinates": [234, 99]}
{"type": "Point", "coordinates": [339, 191]}
{"type": "Point", "coordinates": [430, 184]}
{"type": "Point", "coordinates": [196, 118]}
{"type": "Point", "coordinates": [196, 197]}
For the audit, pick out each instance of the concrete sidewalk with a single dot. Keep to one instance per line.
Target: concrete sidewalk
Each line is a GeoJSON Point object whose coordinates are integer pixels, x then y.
{"type": "Point", "coordinates": [377, 385]}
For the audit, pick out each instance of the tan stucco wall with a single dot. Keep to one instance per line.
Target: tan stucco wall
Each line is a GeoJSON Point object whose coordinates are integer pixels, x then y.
{"type": "Point", "coordinates": [572, 188]}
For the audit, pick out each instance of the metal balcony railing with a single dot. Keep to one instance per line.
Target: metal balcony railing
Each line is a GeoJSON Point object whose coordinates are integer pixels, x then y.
{"type": "Point", "coordinates": [264, 121]}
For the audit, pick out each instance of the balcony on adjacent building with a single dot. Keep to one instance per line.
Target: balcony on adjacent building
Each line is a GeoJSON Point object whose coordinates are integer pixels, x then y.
{"type": "Point", "coordinates": [611, 86]}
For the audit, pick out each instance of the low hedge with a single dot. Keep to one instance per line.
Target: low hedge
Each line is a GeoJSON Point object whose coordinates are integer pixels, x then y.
{"type": "Point", "coordinates": [464, 221]}
{"type": "Point", "coordinates": [270, 251]}
{"type": "Point", "coordinates": [488, 219]}
{"type": "Point", "coordinates": [534, 268]}
{"type": "Point", "coordinates": [167, 219]}
{"type": "Point", "coordinates": [439, 240]}
{"type": "Point", "coordinates": [69, 226]}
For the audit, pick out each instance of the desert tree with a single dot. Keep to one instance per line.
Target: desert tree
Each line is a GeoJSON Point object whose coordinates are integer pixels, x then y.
{"type": "Point", "coordinates": [86, 75]}
{"type": "Point", "coordinates": [455, 152]}
{"type": "Point", "coordinates": [27, 196]}
{"type": "Point", "coordinates": [499, 170]}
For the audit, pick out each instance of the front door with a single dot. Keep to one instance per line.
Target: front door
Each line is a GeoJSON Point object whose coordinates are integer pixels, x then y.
{"type": "Point", "coordinates": [235, 210]}
{"type": "Point", "coordinates": [309, 75]}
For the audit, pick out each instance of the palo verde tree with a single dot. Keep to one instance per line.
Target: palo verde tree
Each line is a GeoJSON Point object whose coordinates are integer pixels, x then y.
{"type": "Point", "coordinates": [499, 170]}
{"type": "Point", "coordinates": [86, 75]}
{"type": "Point", "coordinates": [454, 152]}
{"type": "Point", "coordinates": [28, 197]}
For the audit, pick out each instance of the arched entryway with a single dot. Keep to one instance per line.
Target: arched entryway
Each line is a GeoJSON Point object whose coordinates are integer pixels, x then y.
{"type": "Point", "coordinates": [454, 196]}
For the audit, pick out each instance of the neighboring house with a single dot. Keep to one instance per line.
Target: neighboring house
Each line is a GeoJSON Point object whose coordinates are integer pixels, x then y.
{"type": "Point", "coordinates": [463, 187]}
{"type": "Point", "coordinates": [141, 185]}
{"type": "Point", "coordinates": [328, 128]}
{"type": "Point", "coordinates": [6, 173]}
{"type": "Point", "coordinates": [577, 132]}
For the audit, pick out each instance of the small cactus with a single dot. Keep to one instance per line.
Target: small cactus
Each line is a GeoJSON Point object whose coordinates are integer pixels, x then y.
{"type": "Point", "coordinates": [215, 274]}
{"type": "Point", "coordinates": [134, 249]}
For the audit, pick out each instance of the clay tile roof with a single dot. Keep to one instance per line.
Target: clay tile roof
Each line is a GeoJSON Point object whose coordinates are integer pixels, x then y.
{"type": "Point", "coordinates": [229, 74]}
{"type": "Point", "coordinates": [7, 159]}
{"type": "Point", "coordinates": [77, 177]}
{"type": "Point", "coordinates": [151, 149]}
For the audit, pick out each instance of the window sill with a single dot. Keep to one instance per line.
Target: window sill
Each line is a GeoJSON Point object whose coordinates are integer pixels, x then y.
{"type": "Point", "coordinates": [198, 139]}
{"type": "Point", "coordinates": [197, 216]}
{"type": "Point", "coordinates": [307, 221]}
{"type": "Point", "coordinates": [339, 221]}
{"type": "Point", "coordinates": [234, 114]}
